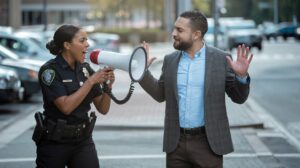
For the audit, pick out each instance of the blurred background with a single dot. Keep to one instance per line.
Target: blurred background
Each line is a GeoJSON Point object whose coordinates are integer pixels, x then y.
{"type": "Point", "coordinates": [265, 130]}
{"type": "Point", "coordinates": [150, 20]}
{"type": "Point", "coordinates": [118, 25]}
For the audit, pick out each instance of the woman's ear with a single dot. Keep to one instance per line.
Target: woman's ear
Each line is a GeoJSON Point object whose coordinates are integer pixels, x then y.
{"type": "Point", "coordinates": [67, 45]}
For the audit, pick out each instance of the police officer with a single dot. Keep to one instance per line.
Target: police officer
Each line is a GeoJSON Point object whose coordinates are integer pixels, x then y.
{"type": "Point", "coordinates": [69, 86]}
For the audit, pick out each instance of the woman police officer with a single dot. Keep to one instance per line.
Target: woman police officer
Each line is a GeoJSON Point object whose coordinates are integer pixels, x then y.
{"type": "Point", "coordinates": [69, 86]}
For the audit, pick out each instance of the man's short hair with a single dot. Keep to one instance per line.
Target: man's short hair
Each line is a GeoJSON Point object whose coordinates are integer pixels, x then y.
{"type": "Point", "coordinates": [197, 20]}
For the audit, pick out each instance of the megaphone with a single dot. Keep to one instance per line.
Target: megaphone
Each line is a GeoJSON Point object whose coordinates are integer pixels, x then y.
{"type": "Point", "coordinates": [135, 63]}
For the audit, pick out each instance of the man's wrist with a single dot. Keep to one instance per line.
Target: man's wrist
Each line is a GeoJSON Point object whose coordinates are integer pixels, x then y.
{"type": "Point", "coordinates": [242, 79]}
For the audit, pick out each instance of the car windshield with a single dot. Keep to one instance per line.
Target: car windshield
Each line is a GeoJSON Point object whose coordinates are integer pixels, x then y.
{"type": "Point", "coordinates": [7, 53]}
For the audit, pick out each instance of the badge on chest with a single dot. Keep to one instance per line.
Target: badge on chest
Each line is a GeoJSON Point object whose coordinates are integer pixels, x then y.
{"type": "Point", "coordinates": [85, 72]}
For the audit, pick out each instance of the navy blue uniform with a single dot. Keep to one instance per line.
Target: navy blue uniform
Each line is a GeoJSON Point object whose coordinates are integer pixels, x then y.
{"type": "Point", "coordinates": [58, 79]}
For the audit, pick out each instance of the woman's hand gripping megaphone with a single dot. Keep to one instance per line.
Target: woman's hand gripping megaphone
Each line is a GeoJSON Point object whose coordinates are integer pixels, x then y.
{"type": "Point", "coordinates": [103, 75]}
{"type": "Point", "coordinates": [150, 59]}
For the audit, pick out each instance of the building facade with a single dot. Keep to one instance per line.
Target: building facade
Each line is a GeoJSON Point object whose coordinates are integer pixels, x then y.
{"type": "Point", "coordinates": [18, 13]}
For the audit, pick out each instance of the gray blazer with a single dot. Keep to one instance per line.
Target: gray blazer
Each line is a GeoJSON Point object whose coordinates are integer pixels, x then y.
{"type": "Point", "coordinates": [219, 79]}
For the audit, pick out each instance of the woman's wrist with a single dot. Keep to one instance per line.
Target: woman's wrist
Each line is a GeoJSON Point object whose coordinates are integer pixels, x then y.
{"type": "Point", "coordinates": [89, 82]}
{"type": "Point", "coordinates": [109, 85]}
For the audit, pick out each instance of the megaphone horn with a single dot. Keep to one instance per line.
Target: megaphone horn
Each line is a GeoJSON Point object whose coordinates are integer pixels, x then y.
{"type": "Point", "coordinates": [135, 64]}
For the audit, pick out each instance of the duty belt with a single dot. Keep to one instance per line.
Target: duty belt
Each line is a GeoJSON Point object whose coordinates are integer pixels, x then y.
{"type": "Point", "coordinates": [60, 131]}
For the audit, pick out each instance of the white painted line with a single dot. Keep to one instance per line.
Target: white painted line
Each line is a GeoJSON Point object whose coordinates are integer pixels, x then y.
{"type": "Point", "coordinates": [13, 160]}
{"type": "Point", "coordinates": [293, 155]}
{"type": "Point", "coordinates": [277, 56]}
{"type": "Point", "coordinates": [271, 134]}
{"type": "Point", "coordinates": [289, 56]}
{"type": "Point", "coordinates": [16, 129]}
{"type": "Point", "coordinates": [158, 156]}
{"type": "Point", "coordinates": [247, 155]}
{"type": "Point", "coordinates": [266, 116]}
{"type": "Point", "coordinates": [109, 157]}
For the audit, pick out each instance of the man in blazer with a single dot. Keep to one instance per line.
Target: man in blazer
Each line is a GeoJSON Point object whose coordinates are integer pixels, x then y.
{"type": "Point", "coordinates": [193, 83]}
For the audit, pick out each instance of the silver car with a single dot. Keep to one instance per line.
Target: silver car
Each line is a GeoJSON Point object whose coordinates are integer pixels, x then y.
{"type": "Point", "coordinates": [243, 32]}
{"type": "Point", "coordinates": [27, 70]}
{"type": "Point", "coordinates": [10, 85]}
{"type": "Point", "coordinates": [24, 47]}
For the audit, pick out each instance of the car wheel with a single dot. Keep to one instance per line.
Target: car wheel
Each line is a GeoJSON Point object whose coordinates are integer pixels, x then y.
{"type": "Point", "coordinates": [259, 47]}
{"type": "Point", "coordinates": [27, 97]}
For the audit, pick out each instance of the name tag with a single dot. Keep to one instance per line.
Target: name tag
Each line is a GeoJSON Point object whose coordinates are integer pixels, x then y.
{"type": "Point", "coordinates": [67, 80]}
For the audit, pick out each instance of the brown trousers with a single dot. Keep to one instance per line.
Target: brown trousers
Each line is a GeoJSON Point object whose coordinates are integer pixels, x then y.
{"type": "Point", "coordinates": [193, 151]}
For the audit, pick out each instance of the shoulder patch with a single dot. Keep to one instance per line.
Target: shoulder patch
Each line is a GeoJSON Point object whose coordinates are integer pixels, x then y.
{"type": "Point", "coordinates": [48, 76]}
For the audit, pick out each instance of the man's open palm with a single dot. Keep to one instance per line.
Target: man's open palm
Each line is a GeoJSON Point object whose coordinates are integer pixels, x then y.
{"type": "Point", "coordinates": [241, 64]}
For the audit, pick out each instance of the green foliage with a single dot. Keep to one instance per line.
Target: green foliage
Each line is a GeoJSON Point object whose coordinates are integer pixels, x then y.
{"type": "Point", "coordinates": [204, 6]}
{"type": "Point", "coordinates": [149, 35]}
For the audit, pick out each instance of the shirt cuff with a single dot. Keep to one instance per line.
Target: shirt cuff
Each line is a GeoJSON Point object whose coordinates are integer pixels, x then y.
{"type": "Point", "coordinates": [243, 80]}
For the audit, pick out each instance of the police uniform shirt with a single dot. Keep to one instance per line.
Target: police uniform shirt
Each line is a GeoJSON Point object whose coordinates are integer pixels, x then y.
{"type": "Point", "coordinates": [58, 79]}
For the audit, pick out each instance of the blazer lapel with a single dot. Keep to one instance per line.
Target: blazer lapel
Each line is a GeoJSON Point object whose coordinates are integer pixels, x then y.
{"type": "Point", "coordinates": [174, 68]}
{"type": "Point", "coordinates": [208, 68]}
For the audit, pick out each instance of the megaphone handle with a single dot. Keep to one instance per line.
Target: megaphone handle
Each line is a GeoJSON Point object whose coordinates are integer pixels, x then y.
{"type": "Point", "coordinates": [107, 90]}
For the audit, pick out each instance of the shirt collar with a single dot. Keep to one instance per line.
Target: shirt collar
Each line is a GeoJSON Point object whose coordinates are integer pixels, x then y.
{"type": "Point", "coordinates": [199, 53]}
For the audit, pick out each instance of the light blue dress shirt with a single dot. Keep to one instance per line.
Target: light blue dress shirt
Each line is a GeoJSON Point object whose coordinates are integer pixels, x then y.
{"type": "Point", "coordinates": [190, 85]}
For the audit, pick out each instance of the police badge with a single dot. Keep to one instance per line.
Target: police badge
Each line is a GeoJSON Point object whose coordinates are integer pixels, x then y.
{"type": "Point", "coordinates": [85, 72]}
{"type": "Point", "coordinates": [48, 76]}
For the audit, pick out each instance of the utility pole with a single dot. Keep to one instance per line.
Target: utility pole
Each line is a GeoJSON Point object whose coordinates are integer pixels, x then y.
{"type": "Point", "coordinates": [169, 17]}
{"type": "Point", "coordinates": [216, 22]}
{"type": "Point", "coordinates": [219, 4]}
{"type": "Point", "coordinates": [182, 6]}
{"type": "Point", "coordinates": [45, 20]}
{"type": "Point", "coordinates": [275, 3]}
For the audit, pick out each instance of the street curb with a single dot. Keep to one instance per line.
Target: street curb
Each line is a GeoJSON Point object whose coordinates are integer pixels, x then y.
{"type": "Point", "coordinates": [267, 118]}
{"type": "Point", "coordinates": [145, 127]}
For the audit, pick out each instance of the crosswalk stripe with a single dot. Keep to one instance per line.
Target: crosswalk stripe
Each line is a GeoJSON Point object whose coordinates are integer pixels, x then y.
{"type": "Point", "coordinates": [158, 156]}
{"type": "Point", "coordinates": [276, 57]}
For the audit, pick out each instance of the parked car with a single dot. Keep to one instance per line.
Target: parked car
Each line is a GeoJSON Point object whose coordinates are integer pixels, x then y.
{"type": "Point", "coordinates": [106, 41]}
{"type": "Point", "coordinates": [10, 85]}
{"type": "Point", "coordinates": [287, 30]}
{"type": "Point", "coordinates": [209, 36]}
{"type": "Point", "coordinates": [40, 37]}
{"type": "Point", "coordinates": [298, 33]}
{"type": "Point", "coordinates": [25, 47]}
{"type": "Point", "coordinates": [269, 30]}
{"type": "Point", "coordinates": [5, 30]}
{"type": "Point", "coordinates": [243, 32]}
{"type": "Point", "coordinates": [27, 70]}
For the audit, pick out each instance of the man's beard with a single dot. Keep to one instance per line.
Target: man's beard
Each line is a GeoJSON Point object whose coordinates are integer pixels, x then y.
{"type": "Point", "coordinates": [183, 45]}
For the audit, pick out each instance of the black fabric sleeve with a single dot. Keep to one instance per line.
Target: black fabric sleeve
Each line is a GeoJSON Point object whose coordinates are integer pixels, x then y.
{"type": "Point", "coordinates": [51, 89]}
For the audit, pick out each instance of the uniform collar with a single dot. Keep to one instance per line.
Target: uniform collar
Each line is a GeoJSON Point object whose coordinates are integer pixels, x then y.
{"type": "Point", "coordinates": [64, 64]}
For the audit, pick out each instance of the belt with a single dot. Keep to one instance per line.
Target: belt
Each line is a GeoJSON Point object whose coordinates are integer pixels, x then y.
{"type": "Point", "coordinates": [61, 132]}
{"type": "Point", "coordinates": [192, 131]}
{"type": "Point", "coordinates": [74, 131]}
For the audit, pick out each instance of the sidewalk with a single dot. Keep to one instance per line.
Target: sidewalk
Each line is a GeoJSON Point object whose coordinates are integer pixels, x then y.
{"type": "Point", "coordinates": [258, 140]}
{"type": "Point", "coordinates": [257, 143]}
